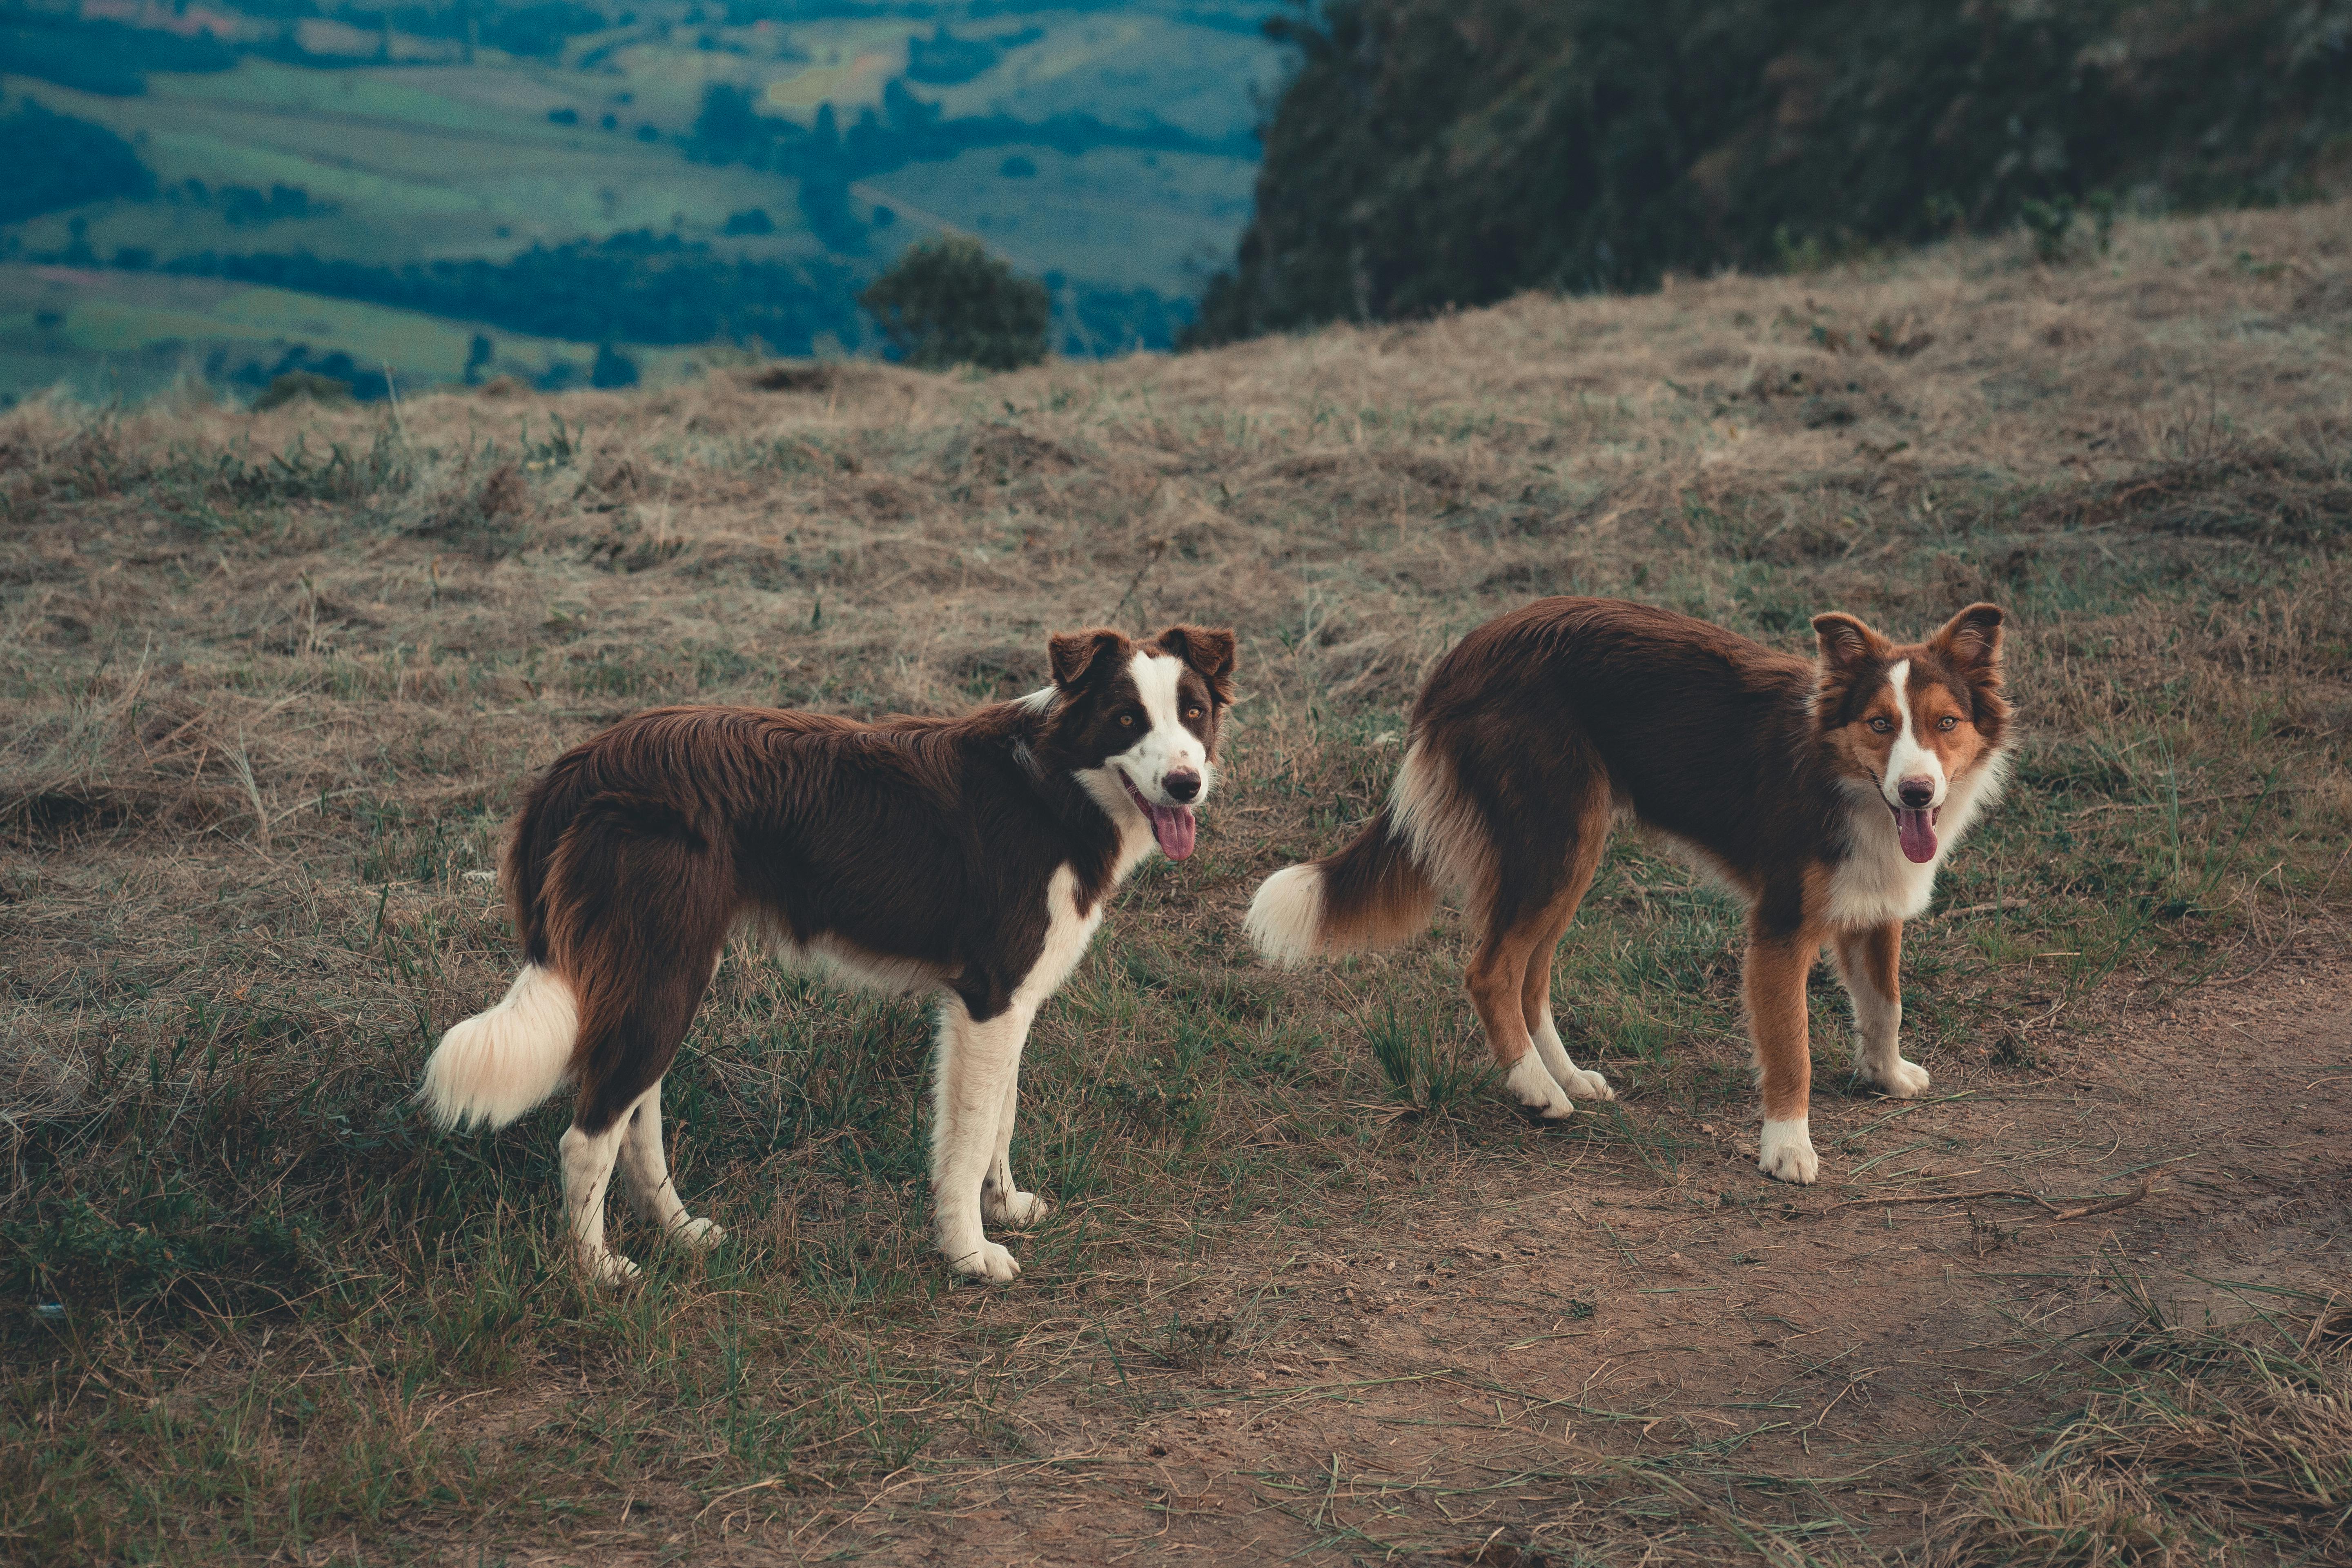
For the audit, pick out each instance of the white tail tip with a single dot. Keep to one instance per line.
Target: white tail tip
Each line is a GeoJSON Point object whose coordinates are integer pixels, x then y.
{"type": "Point", "coordinates": [497, 1066]}
{"type": "Point", "coordinates": [1286, 919]}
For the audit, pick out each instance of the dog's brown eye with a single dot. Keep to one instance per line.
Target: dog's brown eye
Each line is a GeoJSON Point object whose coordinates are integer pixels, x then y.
{"type": "Point", "coordinates": [1194, 712]}
{"type": "Point", "coordinates": [1883, 726]}
{"type": "Point", "coordinates": [1946, 723]}
{"type": "Point", "coordinates": [1127, 721]}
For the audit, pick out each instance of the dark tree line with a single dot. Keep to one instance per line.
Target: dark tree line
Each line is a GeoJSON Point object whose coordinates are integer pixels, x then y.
{"type": "Point", "coordinates": [630, 287]}
{"type": "Point", "coordinates": [911, 129]}
{"type": "Point", "coordinates": [105, 57]}
{"type": "Point", "coordinates": [55, 162]}
{"type": "Point", "coordinates": [1438, 152]}
{"type": "Point", "coordinates": [113, 58]}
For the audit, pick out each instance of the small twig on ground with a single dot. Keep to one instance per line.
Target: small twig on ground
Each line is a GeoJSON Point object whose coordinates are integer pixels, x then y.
{"type": "Point", "coordinates": [2057, 1215]}
{"type": "Point", "coordinates": [1934, 1198]}
{"type": "Point", "coordinates": [2147, 1185]}
{"type": "Point", "coordinates": [2154, 804]}
{"type": "Point", "coordinates": [1989, 907]}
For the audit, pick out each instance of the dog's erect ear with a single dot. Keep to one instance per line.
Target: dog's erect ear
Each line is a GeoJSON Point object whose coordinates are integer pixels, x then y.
{"type": "Point", "coordinates": [1208, 649]}
{"type": "Point", "coordinates": [1846, 643]}
{"type": "Point", "coordinates": [1074, 654]}
{"type": "Point", "coordinates": [1972, 641]}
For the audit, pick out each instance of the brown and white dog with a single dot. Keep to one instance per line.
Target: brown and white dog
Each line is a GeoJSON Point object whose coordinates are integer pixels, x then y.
{"type": "Point", "coordinates": [971, 857]}
{"type": "Point", "coordinates": [1825, 793]}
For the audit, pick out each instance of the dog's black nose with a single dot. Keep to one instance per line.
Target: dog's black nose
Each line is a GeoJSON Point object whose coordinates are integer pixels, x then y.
{"type": "Point", "coordinates": [1182, 785]}
{"type": "Point", "coordinates": [1917, 794]}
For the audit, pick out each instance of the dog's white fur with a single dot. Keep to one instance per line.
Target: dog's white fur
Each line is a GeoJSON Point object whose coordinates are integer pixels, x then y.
{"type": "Point", "coordinates": [495, 1067]}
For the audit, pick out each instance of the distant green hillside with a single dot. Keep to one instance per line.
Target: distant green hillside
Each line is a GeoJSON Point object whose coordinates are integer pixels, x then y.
{"type": "Point", "coordinates": [1437, 152]}
{"type": "Point", "coordinates": [455, 158]}
{"type": "Point", "coordinates": [110, 333]}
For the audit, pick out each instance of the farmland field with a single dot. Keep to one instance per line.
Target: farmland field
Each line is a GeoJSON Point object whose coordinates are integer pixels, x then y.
{"type": "Point", "coordinates": [270, 684]}
{"type": "Point", "coordinates": [430, 156]}
{"type": "Point", "coordinates": [109, 334]}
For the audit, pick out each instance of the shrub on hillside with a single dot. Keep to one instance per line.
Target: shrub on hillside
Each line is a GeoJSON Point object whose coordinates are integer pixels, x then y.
{"type": "Point", "coordinates": [947, 302]}
{"type": "Point", "coordinates": [612, 369]}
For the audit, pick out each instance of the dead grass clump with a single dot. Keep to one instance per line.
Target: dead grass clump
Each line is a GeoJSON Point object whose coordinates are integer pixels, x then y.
{"type": "Point", "coordinates": [485, 516]}
{"type": "Point", "coordinates": [833, 379]}
{"type": "Point", "coordinates": [1003, 454]}
{"type": "Point", "coordinates": [2200, 1446]}
{"type": "Point", "coordinates": [819, 377]}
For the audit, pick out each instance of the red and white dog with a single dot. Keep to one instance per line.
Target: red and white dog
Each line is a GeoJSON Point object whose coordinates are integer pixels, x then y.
{"type": "Point", "coordinates": [971, 857]}
{"type": "Point", "coordinates": [1825, 793]}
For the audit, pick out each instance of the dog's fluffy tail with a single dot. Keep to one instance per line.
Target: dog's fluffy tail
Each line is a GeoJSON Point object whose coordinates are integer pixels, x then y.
{"type": "Point", "coordinates": [497, 1065]}
{"type": "Point", "coordinates": [1383, 887]}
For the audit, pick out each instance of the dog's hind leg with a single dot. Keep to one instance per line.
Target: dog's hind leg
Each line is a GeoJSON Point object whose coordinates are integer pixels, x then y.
{"type": "Point", "coordinates": [1535, 990]}
{"type": "Point", "coordinates": [647, 1165]}
{"type": "Point", "coordinates": [1497, 976]}
{"type": "Point", "coordinates": [637, 914]}
{"type": "Point", "coordinates": [655, 1007]}
{"type": "Point", "coordinates": [587, 1172]}
{"type": "Point", "coordinates": [1002, 1201]}
{"type": "Point", "coordinates": [979, 1068]}
{"type": "Point", "coordinates": [1870, 962]}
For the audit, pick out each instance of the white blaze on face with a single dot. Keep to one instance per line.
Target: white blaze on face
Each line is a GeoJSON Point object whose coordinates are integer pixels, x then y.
{"type": "Point", "coordinates": [1167, 745]}
{"type": "Point", "coordinates": [1910, 762]}
{"type": "Point", "coordinates": [1910, 759]}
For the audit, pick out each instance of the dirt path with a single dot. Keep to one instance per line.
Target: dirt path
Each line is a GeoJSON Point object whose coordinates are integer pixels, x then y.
{"type": "Point", "coordinates": [1677, 1332]}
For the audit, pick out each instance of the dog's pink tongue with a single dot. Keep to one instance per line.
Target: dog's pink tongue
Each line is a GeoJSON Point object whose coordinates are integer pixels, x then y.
{"type": "Point", "coordinates": [1917, 831]}
{"type": "Point", "coordinates": [1173, 826]}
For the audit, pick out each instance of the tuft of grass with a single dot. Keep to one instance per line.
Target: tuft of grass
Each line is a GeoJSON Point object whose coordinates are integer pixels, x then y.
{"type": "Point", "coordinates": [1427, 1065]}
{"type": "Point", "coordinates": [2197, 1446]}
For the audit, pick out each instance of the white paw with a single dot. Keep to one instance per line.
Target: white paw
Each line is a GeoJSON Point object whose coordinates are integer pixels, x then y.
{"type": "Point", "coordinates": [987, 1261]}
{"type": "Point", "coordinates": [1582, 1083]}
{"type": "Point", "coordinates": [1908, 1080]}
{"type": "Point", "coordinates": [697, 1236]}
{"type": "Point", "coordinates": [1534, 1087]}
{"type": "Point", "coordinates": [1786, 1152]}
{"type": "Point", "coordinates": [1016, 1211]}
{"type": "Point", "coordinates": [608, 1269]}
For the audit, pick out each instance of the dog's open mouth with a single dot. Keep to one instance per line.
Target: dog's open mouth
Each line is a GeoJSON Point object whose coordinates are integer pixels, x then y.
{"type": "Point", "coordinates": [1171, 825]}
{"type": "Point", "coordinates": [1916, 827]}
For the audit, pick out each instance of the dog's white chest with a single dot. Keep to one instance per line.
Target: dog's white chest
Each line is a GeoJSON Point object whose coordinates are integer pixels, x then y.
{"type": "Point", "coordinates": [1876, 884]}
{"type": "Point", "coordinates": [1068, 933]}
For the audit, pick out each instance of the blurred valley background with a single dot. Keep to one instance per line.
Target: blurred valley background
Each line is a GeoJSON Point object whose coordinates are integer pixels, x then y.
{"type": "Point", "coordinates": [560, 193]}
{"type": "Point", "coordinates": [571, 194]}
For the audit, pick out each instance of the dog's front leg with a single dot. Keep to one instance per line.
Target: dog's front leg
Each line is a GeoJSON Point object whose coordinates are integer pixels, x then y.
{"type": "Point", "coordinates": [1775, 984]}
{"type": "Point", "coordinates": [1870, 962]}
{"type": "Point", "coordinates": [979, 1066]}
{"type": "Point", "coordinates": [1002, 1201]}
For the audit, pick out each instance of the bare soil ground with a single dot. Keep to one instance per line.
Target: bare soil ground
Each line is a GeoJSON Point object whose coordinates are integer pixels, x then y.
{"type": "Point", "coordinates": [270, 684]}
{"type": "Point", "coordinates": [1554, 1356]}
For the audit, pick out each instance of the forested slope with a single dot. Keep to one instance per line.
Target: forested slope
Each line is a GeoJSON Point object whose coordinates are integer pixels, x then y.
{"type": "Point", "coordinates": [1436, 152]}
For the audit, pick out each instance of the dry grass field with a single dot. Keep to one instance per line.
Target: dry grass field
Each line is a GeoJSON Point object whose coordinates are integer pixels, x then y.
{"type": "Point", "coordinates": [269, 685]}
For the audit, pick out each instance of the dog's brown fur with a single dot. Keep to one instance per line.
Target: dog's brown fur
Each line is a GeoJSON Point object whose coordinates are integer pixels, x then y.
{"type": "Point", "coordinates": [1545, 725]}
{"type": "Point", "coordinates": [968, 856]}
